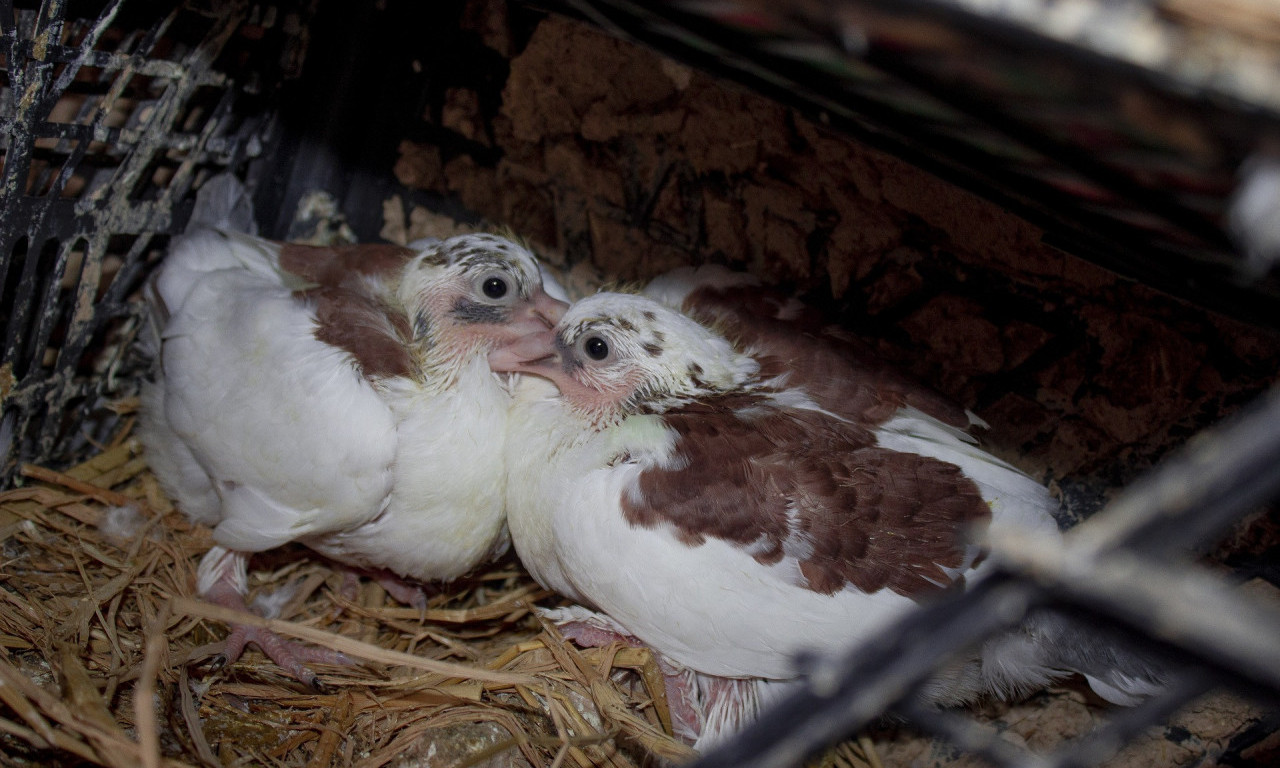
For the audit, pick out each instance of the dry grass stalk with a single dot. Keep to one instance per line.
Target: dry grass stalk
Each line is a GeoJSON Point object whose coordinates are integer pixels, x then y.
{"type": "Point", "coordinates": [355, 648]}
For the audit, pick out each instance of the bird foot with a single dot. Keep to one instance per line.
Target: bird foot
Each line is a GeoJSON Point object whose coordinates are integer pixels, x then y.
{"type": "Point", "coordinates": [595, 630]}
{"type": "Point", "coordinates": [409, 593]}
{"type": "Point", "coordinates": [683, 700]}
{"type": "Point", "coordinates": [290, 656]}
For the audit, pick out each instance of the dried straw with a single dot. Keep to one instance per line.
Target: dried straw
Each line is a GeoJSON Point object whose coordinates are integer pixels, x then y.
{"type": "Point", "coordinates": [103, 644]}
{"type": "Point", "coordinates": [103, 648]}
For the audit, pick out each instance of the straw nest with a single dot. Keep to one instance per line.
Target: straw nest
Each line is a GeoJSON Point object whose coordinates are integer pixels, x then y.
{"type": "Point", "coordinates": [105, 651]}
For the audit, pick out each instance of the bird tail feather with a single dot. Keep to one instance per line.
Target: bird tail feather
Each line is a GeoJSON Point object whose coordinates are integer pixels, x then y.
{"type": "Point", "coordinates": [1117, 671]}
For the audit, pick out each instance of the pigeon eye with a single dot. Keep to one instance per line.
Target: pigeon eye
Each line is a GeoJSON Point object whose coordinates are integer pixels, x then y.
{"type": "Point", "coordinates": [596, 348]}
{"type": "Point", "coordinates": [494, 287]}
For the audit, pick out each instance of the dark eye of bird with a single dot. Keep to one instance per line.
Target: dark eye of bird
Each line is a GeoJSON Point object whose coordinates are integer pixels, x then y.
{"type": "Point", "coordinates": [494, 287]}
{"type": "Point", "coordinates": [596, 348]}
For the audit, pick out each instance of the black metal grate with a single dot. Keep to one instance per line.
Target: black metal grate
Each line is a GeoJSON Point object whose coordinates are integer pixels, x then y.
{"type": "Point", "coordinates": [109, 116]}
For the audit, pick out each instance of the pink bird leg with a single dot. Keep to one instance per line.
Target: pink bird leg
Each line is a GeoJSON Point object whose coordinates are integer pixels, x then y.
{"type": "Point", "coordinates": [681, 688]}
{"type": "Point", "coordinates": [409, 593]}
{"type": "Point", "coordinates": [223, 581]}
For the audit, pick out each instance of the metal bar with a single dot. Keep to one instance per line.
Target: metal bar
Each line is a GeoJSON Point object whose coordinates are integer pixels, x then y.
{"type": "Point", "coordinates": [51, 271]}
{"type": "Point", "coordinates": [109, 61]}
{"type": "Point", "coordinates": [1175, 604]}
{"type": "Point", "coordinates": [139, 157]}
{"type": "Point", "coordinates": [122, 140]}
{"type": "Point", "coordinates": [85, 50]}
{"type": "Point", "coordinates": [115, 295]}
{"type": "Point", "coordinates": [65, 78]}
{"type": "Point", "coordinates": [24, 306]}
{"type": "Point", "coordinates": [27, 80]}
{"type": "Point", "coordinates": [1218, 475]}
{"type": "Point", "coordinates": [845, 693]}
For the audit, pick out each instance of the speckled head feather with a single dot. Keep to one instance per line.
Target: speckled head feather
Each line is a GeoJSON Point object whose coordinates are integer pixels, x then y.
{"type": "Point", "coordinates": [477, 249]}
{"type": "Point", "coordinates": [473, 255]}
{"type": "Point", "coordinates": [454, 289]}
{"type": "Point", "coordinates": [419, 313]}
{"type": "Point", "coordinates": [621, 354]}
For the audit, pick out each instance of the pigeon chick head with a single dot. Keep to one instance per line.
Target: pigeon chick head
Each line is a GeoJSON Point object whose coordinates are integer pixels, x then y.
{"type": "Point", "coordinates": [613, 355]}
{"type": "Point", "coordinates": [471, 293]}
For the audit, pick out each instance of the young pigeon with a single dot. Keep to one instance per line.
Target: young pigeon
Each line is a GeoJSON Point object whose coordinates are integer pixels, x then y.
{"type": "Point", "coordinates": [339, 397]}
{"type": "Point", "coordinates": [702, 499]}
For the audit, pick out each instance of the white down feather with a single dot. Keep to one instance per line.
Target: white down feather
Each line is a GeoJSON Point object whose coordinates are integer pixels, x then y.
{"type": "Point", "coordinates": [254, 396]}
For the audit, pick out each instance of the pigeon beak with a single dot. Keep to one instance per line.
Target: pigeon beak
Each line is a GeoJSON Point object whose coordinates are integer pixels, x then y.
{"type": "Point", "coordinates": [549, 309]}
{"type": "Point", "coordinates": [540, 313]}
{"type": "Point", "coordinates": [532, 353]}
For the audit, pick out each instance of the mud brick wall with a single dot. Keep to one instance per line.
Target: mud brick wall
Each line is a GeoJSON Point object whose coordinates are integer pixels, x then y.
{"type": "Point", "coordinates": [620, 162]}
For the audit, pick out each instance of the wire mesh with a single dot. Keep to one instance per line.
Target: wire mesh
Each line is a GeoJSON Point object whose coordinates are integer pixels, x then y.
{"type": "Point", "coordinates": [109, 116]}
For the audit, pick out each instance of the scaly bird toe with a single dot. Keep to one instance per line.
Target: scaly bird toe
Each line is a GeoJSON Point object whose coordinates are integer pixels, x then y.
{"type": "Point", "coordinates": [292, 657]}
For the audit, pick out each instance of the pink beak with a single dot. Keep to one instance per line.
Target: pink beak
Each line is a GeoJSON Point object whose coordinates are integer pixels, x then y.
{"type": "Point", "coordinates": [532, 353]}
{"type": "Point", "coordinates": [539, 314]}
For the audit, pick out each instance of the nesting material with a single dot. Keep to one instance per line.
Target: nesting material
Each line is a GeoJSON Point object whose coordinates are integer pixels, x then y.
{"type": "Point", "coordinates": [106, 653]}
{"type": "Point", "coordinates": [105, 658]}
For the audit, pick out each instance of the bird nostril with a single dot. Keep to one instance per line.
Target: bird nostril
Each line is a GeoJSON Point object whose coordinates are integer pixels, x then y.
{"type": "Point", "coordinates": [549, 310]}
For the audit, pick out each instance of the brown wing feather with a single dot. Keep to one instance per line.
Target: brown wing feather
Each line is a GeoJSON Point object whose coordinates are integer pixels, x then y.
{"type": "Point", "coordinates": [790, 481]}
{"type": "Point", "coordinates": [376, 336]}
{"type": "Point", "coordinates": [840, 373]}
{"type": "Point", "coordinates": [341, 266]}
{"type": "Point", "coordinates": [351, 313]}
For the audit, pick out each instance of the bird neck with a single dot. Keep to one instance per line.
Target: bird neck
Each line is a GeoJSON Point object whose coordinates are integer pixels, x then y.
{"type": "Point", "coordinates": [443, 359]}
{"type": "Point", "coordinates": [441, 374]}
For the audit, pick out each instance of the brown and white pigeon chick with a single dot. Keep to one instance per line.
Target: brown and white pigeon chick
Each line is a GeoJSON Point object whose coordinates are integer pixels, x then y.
{"type": "Point", "coordinates": [723, 506]}
{"type": "Point", "coordinates": [339, 397]}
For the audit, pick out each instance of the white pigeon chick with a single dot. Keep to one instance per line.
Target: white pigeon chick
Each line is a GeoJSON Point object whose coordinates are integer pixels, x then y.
{"type": "Point", "coordinates": [339, 397]}
{"type": "Point", "coordinates": [710, 506]}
